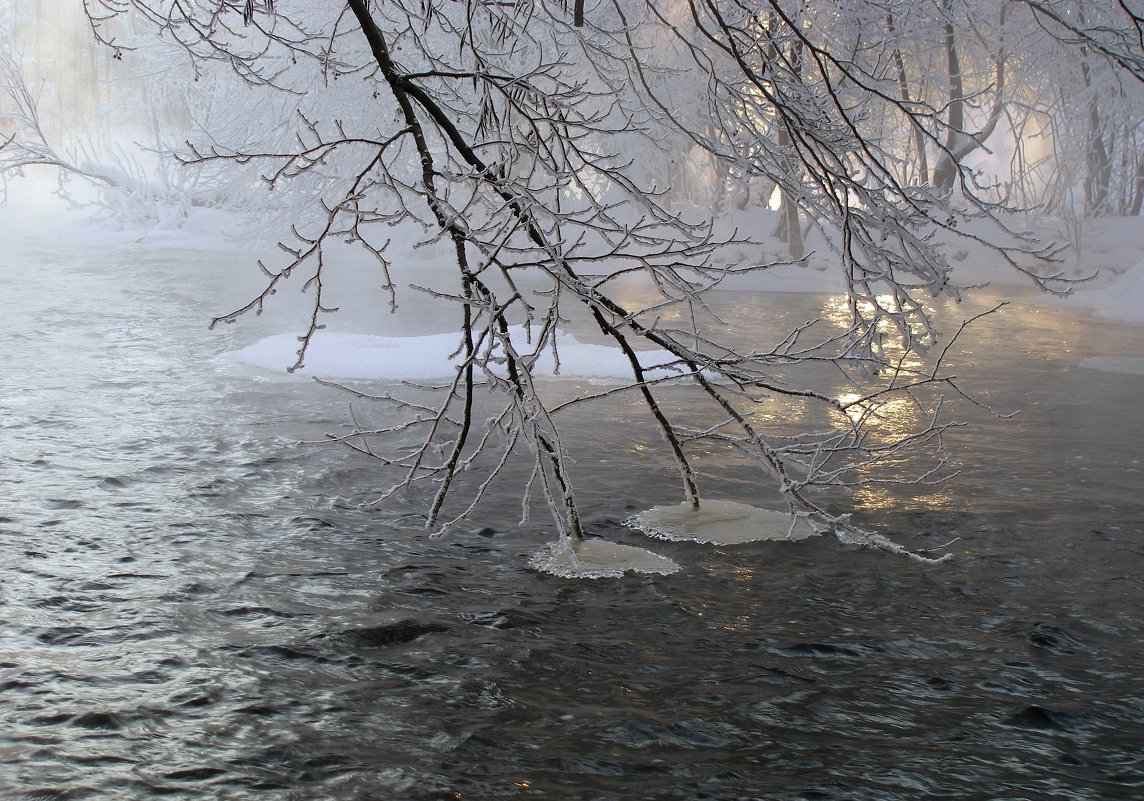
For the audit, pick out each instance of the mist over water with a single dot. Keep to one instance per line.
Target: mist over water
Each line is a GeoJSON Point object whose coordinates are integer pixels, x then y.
{"type": "Point", "coordinates": [195, 606]}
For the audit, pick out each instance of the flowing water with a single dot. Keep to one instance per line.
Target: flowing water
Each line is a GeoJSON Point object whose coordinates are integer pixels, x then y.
{"type": "Point", "coordinates": [194, 606]}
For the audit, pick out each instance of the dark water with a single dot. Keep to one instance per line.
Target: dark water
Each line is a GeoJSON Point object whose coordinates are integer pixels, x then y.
{"type": "Point", "coordinates": [196, 607]}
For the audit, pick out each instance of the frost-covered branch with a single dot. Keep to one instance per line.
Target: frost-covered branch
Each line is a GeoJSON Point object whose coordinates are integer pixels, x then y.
{"type": "Point", "coordinates": [513, 143]}
{"type": "Point", "coordinates": [28, 144]}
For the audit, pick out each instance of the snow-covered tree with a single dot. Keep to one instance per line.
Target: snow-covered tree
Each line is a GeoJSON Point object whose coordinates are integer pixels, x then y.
{"type": "Point", "coordinates": [517, 139]}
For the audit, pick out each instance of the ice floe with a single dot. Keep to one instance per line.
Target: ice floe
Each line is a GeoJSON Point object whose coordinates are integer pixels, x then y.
{"type": "Point", "coordinates": [1125, 365]}
{"type": "Point", "coordinates": [594, 559]}
{"type": "Point", "coordinates": [421, 358]}
{"type": "Point", "coordinates": [718, 522]}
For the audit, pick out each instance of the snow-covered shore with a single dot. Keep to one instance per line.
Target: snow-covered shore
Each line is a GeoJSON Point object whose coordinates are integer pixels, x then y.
{"type": "Point", "coordinates": [1108, 252]}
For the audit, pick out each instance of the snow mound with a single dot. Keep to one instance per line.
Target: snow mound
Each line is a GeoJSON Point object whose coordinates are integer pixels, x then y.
{"type": "Point", "coordinates": [433, 356]}
{"type": "Point", "coordinates": [1122, 300]}
{"type": "Point", "coordinates": [1125, 365]}
{"type": "Point", "coordinates": [594, 559]}
{"type": "Point", "coordinates": [719, 523]}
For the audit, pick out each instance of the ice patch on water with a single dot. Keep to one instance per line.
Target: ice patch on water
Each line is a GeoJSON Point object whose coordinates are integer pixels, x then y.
{"type": "Point", "coordinates": [593, 559]}
{"type": "Point", "coordinates": [434, 356]}
{"type": "Point", "coordinates": [719, 523]}
{"type": "Point", "coordinates": [1125, 365]}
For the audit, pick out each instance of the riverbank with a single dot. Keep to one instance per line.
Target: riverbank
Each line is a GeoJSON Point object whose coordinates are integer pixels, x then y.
{"type": "Point", "coordinates": [1104, 256]}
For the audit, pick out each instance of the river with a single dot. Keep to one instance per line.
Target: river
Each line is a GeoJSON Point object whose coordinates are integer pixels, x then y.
{"type": "Point", "coordinates": [195, 606]}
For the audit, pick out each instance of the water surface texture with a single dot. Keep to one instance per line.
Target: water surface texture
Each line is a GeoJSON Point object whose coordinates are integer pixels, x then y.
{"type": "Point", "coordinates": [194, 606]}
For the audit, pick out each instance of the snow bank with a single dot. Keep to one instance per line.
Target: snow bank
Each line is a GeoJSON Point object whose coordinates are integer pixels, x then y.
{"type": "Point", "coordinates": [1124, 365]}
{"type": "Point", "coordinates": [1103, 248]}
{"type": "Point", "coordinates": [1111, 248]}
{"type": "Point", "coordinates": [1121, 300]}
{"type": "Point", "coordinates": [35, 206]}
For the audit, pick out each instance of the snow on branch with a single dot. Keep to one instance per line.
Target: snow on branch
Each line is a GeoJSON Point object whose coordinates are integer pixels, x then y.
{"type": "Point", "coordinates": [541, 159]}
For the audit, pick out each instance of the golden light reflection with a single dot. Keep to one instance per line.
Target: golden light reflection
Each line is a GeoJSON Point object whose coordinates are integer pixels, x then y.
{"type": "Point", "coordinates": [899, 349]}
{"type": "Point", "coordinates": [879, 498]}
{"type": "Point", "coordinates": [856, 411]}
{"type": "Point", "coordinates": [739, 623]}
{"type": "Point", "coordinates": [888, 419]}
{"type": "Point", "coordinates": [781, 411]}
{"type": "Point", "coordinates": [744, 574]}
{"type": "Point", "coordinates": [887, 422]}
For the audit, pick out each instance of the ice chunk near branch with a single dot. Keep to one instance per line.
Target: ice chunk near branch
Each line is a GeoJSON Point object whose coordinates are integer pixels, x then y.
{"type": "Point", "coordinates": [731, 523]}
{"type": "Point", "coordinates": [717, 522]}
{"type": "Point", "coordinates": [593, 559]}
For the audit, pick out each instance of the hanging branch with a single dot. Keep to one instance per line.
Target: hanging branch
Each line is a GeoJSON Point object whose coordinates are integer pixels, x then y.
{"type": "Point", "coordinates": [514, 141]}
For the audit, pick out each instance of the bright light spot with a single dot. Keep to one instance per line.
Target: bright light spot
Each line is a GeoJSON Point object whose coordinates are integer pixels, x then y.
{"type": "Point", "coordinates": [776, 201]}
{"type": "Point", "coordinates": [874, 498]}
{"type": "Point", "coordinates": [894, 417]}
{"type": "Point", "coordinates": [855, 411]}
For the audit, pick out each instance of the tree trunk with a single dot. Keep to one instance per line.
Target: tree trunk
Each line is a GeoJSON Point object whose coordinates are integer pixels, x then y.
{"type": "Point", "coordinates": [919, 138]}
{"type": "Point", "coordinates": [960, 143]}
{"type": "Point", "coordinates": [1138, 189]}
{"type": "Point", "coordinates": [945, 174]}
{"type": "Point", "coordinates": [1098, 165]}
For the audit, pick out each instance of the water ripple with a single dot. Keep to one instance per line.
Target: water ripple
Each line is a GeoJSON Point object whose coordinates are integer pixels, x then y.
{"type": "Point", "coordinates": [195, 607]}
